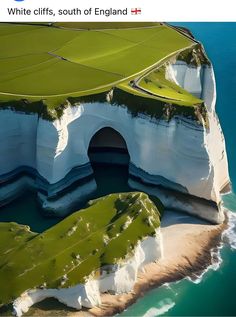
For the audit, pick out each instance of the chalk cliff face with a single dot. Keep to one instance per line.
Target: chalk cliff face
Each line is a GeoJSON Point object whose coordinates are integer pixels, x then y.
{"type": "Point", "coordinates": [180, 154]}
{"type": "Point", "coordinates": [200, 81]}
{"type": "Point", "coordinates": [120, 279]}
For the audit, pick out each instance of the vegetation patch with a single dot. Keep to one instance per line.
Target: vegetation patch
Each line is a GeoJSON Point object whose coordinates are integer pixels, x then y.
{"type": "Point", "coordinates": [156, 84]}
{"type": "Point", "coordinates": [139, 103]}
{"type": "Point", "coordinates": [195, 57]}
{"type": "Point", "coordinates": [104, 233]}
{"type": "Point", "coordinates": [43, 65]}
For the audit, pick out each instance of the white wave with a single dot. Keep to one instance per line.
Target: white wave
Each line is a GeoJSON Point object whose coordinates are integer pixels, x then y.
{"type": "Point", "coordinates": [216, 261]}
{"type": "Point", "coordinates": [167, 285]}
{"type": "Point", "coordinates": [229, 236]}
{"type": "Point", "coordinates": [163, 307]}
{"type": "Point", "coordinates": [216, 258]}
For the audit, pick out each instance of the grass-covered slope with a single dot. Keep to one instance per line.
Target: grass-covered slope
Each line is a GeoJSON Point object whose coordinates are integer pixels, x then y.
{"type": "Point", "coordinates": [155, 83]}
{"type": "Point", "coordinates": [50, 63]}
{"type": "Point", "coordinates": [104, 233]}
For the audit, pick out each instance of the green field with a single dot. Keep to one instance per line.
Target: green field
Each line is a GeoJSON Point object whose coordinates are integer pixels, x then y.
{"type": "Point", "coordinates": [102, 234]}
{"type": "Point", "coordinates": [50, 63]}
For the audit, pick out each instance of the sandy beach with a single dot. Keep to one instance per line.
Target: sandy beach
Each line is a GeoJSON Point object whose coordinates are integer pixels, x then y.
{"type": "Point", "coordinates": [187, 243]}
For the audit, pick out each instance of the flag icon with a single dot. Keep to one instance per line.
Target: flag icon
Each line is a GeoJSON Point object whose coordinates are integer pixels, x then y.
{"type": "Point", "coordinates": [136, 11]}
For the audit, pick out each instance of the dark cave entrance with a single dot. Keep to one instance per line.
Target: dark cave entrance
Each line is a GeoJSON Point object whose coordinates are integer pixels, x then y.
{"type": "Point", "coordinates": [108, 146]}
{"type": "Point", "coordinates": [109, 157]}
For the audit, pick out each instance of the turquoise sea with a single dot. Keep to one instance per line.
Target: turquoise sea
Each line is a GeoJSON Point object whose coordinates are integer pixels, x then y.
{"type": "Point", "coordinates": [215, 293]}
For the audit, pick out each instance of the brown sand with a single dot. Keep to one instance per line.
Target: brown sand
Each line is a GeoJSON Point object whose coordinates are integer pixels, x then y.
{"type": "Point", "coordinates": [187, 243]}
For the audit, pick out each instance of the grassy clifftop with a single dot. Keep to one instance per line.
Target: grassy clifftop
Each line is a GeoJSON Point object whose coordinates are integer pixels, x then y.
{"type": "Point", "coordinates": [44, 65]}
{"type": "Point", "coordinates": [104, 233]}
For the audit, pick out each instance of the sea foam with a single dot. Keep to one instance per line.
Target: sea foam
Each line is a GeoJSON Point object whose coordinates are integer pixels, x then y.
{"type": "Point", "coordinates": [228, 238]}
{"type": "Point", "coordinates": [163, 307]}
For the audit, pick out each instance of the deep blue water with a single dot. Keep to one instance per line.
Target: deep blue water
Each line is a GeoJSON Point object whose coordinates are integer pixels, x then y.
{"type": "Point", "coordinates": [215, 295]}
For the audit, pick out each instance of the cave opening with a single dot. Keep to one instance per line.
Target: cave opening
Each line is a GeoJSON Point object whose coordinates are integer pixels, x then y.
{"type": "Point", "coordinates": [109, 157]}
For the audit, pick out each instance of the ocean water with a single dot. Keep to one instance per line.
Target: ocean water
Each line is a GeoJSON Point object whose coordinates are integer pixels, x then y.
{"type": "Point", "coordinates": [215, 293]}
{"type": "Point", "coordinates": [26, 210]}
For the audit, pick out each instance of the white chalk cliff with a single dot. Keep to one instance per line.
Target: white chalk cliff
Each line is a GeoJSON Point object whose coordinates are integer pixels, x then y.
{"type": "Point", "coordinates": [120, 279]}
{"type": "Point", "coordinates": [181, 154]}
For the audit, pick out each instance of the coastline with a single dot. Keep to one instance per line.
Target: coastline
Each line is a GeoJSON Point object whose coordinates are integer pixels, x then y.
{"type": "Point", "coordinates": [194, 251]}
{"type": "Point", "coordinates": [187, 242]}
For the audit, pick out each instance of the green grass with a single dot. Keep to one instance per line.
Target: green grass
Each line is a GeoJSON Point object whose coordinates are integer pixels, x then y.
{"type": "Point", "coordinates": [195, 57]}
{"type": "Point", "coordinates": [104, 25]}
{"type": "Point", "coordinates": [139, 103]}
{"type": "Point", "coordinates": [51, 63]}
{"type": "Point", "coordinates": [156, 84]}
{"type": "Point", "coordinates": [121, 55]}
{"type": "Point", "coordinates": [11, 29]}
{"type": "Point", "coordinates": [104, 233]}
{"type": "Point", "coordinates": [32, 40]}
{"type": "Point", "coordinates": [45, 65]}
{"type": "Point", "coordinates": [54, 84]}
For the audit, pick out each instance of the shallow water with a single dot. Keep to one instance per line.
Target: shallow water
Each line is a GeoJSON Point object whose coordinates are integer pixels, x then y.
{"type": "Point", "coordinates": [26, 210]}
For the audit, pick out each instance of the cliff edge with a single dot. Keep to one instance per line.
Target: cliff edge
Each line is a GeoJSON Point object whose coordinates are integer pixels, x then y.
{"type": "Point", "coordinates": [152, 84]}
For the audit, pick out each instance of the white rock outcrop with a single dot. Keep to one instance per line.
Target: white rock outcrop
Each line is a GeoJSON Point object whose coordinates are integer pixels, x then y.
{"type": "Point", "coordinates": [200, 81]}
{"type": "Point", "coordinates": [120, 279]}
